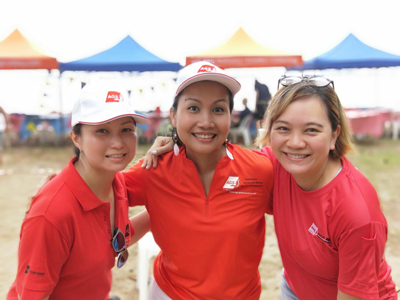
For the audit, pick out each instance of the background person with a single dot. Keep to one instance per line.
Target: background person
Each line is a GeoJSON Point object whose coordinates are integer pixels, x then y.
{"type": "Point", "coordinates": [207, 199]}
{"type": "Point", "coordinates": [329, 225]}
{"type": "Point", "coordinates": [239, 117]}
{"type": "Point", "coordinates": [263, 98]}
{"type": "Point", "coordinates": [78, 222]}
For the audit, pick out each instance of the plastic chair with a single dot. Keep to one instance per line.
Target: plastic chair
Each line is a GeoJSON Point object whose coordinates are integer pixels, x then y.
{"type": "Point", "coordinates": [260, 132]}
{"type": "Point", "coordinates": [243, 130]}
{"type": "Point", "coordinates": [147, 249]}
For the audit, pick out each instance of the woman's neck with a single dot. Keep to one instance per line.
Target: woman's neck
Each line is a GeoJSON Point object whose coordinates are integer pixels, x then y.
{"type": "Point", "coordinates": [206, 162]}
{"type": "Point", "coordinates": [206, 165]}
{"type": "Point", "coordinates": [321, 178]}
{"type": "Point", "coordinates": [99, 182]}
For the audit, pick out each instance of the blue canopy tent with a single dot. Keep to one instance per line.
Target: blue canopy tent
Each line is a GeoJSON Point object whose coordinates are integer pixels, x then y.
{"type": "Point", "coordinates": [351, 53]}
{"type": "Point", "coordinates": [127, 55]}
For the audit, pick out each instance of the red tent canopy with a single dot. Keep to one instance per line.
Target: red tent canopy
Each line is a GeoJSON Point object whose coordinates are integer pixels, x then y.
{"type": "Point", "coordinates": [241, 51]}
{"type": "Point", "coordinates": [16, 52]}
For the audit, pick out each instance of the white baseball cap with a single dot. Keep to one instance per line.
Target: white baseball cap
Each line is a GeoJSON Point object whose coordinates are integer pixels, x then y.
{"type": "Point", "coordinates": [98, 105]}
{"type": "Point", "coordinates": [204, 70]}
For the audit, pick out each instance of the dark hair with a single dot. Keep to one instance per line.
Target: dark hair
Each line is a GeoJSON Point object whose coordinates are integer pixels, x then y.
{"type": "Point", "coordinates": [77, 130]}
{"type": "Point", "coordinates": [334, 110]}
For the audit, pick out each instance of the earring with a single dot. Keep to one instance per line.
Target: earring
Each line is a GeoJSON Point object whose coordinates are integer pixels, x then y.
{"type": "Point", "coordinates": [228, 153]}
{"type": "Point", "coordinates": [176, 147]}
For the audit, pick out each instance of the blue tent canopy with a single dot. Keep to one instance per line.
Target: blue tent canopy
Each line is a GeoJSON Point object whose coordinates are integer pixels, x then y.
{"type": "Point", "coordinates": [127, 55]}
{"type": "Point", "coordinates": [351, 53]}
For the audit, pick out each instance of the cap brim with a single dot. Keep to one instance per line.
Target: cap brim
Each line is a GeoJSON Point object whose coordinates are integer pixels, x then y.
{"type": "Point", "coordinates": [139, 119]}
{"type": "Point", "coordinates": [231, 83]}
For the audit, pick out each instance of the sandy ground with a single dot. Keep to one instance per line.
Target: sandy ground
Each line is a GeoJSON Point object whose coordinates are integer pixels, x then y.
{"type": "Point", "coordinates": [25, 168]}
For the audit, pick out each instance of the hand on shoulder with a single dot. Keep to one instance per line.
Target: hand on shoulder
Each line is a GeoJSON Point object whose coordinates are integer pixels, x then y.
{"type": "Point", "coordinates": [161, 145]}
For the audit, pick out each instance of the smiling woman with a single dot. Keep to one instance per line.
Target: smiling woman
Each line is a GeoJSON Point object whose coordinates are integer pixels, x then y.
{"type": "Point", "coordinates": [202, 119]}
{"type": "Point", "coordinates": [207, 199]}
{"type": "Point", "coordinates": [329, 225]}
{"type": "Point", "coordinates": [84, 210]}
{"type": "Point", "coordinates": [301, 140]}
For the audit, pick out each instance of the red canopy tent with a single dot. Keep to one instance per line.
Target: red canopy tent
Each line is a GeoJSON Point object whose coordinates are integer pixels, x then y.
{"type": "Point", "coordinates": [241, 51]}
{"type": "Point", "coordinates": [16, 52]}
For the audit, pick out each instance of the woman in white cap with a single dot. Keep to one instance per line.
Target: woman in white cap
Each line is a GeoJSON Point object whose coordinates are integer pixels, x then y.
{"type": "Point", "coordinates": [207, 199]}
{"type": "Point", "coordinates": [78, 224]}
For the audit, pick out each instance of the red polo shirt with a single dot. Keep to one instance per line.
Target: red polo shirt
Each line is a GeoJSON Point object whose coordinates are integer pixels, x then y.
{"type": "Point", "coordinates": [211, 245]}
{"type": "Point", "coordinates": [64, 248]}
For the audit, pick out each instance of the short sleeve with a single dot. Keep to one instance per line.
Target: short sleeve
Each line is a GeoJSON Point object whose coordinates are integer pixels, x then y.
{"type": "Point", "coordinates": [360, 255]}
{"type": "Point", "coordinates": [267, 151]}
{"type": "Point", "coordinates": [270, 207]}
{"type": "Point", "coordinates": [41, 256]}
{"type": "Point", "coordinates": [135, 180]}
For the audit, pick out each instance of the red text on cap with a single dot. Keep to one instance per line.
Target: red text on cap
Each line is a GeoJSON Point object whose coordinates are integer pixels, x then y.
{"type": "Point", "coordinates": [114, 97]}
{"type": "Point", "coordinates": [207, 68]}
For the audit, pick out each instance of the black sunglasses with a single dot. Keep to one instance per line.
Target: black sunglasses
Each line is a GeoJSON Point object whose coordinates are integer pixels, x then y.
{"type": "Point", "coordinates": [319, 81]}
{"type": "Point", "coordinates": [119, 245]}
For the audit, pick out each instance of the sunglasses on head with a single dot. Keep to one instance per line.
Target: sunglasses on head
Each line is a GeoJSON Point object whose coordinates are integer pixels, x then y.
{"type": "Point", "coordinates": [118, 243]}
{"type": "Point", "coordinates": [319, 81]}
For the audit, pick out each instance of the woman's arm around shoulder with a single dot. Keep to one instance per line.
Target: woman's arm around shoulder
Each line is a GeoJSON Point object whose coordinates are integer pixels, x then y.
{"type": "Point", "coordinates": [161, 145]}
{"type": "Point", "coordinates": [141, 225]}
{"type": "Point", "coordinates": [136, 182]}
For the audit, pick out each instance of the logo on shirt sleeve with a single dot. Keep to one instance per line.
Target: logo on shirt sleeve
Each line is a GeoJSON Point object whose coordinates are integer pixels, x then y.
{"type": "Point", "coordinates": [28, 270]}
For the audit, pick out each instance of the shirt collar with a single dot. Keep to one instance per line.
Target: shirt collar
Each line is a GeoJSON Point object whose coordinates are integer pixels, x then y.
{"type": "Point", "coordinates": [79, 188]}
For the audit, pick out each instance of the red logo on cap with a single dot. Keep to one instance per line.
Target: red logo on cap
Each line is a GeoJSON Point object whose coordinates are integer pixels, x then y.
{"type": "Point", "coordinates": [207, 68]}
{"type": "Point", "coordinates": [114, 97]}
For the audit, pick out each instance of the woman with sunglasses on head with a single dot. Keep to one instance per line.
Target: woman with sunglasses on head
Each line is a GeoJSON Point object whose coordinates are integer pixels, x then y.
{"type": "Point", "coordinates": [330, 228]}
{"type": "Point", "coordinates": [206, 199]}
{"type": "Point", "coordinates": [78, 224]}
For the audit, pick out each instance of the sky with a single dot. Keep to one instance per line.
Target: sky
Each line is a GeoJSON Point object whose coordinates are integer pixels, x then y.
{"type": "Point", "coordinates": [174, 29]}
